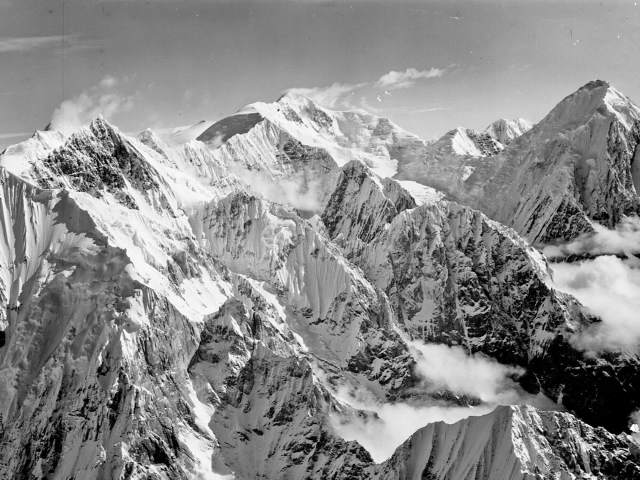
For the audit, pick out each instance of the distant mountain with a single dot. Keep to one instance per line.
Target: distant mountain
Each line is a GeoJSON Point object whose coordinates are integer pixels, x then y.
{"type": "Point", "coordinates": [506, 131]}
{"type": "Point", "coordinates": [576, 166]}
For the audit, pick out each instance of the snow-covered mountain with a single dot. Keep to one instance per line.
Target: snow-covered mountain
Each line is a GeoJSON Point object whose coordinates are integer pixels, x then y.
{"type": "Point", "coordinates": [505, 131]}
{"type": "Point", "coordinates": [194, 303]}
{"type": "Point", "coordinates": [576, 166]}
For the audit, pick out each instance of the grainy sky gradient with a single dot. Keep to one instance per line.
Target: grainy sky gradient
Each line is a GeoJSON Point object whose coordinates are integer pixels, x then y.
{"type": "Point", "coordinates": [167, 63]}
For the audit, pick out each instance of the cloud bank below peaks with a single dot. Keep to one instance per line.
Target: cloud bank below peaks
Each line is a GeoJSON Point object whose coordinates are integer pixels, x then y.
{"type": "Point", "coordinates": [623, 240]}
{"type": "Point", "coordinates": [610, 288]}
{"type": "Point", "coordinates": [606, 281]}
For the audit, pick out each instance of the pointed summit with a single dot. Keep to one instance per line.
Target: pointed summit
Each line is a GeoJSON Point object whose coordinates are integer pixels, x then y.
{"type": "Point", "coordinates": [576, 166]}
{"type": "Point", "coordinates": [596, 98]}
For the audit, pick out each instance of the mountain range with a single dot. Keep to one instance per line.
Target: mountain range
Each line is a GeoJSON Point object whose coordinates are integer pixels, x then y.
{"type": "Point", "coordinates": [252, 297]}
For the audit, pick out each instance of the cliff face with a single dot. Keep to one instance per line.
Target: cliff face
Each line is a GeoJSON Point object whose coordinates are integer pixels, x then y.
{"type": "Point", "coordinates": [165, 316]}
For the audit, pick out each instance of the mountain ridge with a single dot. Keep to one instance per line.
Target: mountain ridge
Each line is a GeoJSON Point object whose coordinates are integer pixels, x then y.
{"type": "Point", "coordinates": [209, 321]}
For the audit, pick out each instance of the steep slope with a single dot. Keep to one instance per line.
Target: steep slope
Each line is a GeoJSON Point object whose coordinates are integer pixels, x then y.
{"type": "Point", "coordinates": [453, 276]}
{"type": "Point", "coordinates": [19, 156]}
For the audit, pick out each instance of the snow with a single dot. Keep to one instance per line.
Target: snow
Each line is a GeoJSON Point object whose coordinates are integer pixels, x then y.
{"type": "Point", "coordinates": [625, 111]}
{"type": "Point", "coordinates": [505, 131]}
{"type": "Point", "coordinates": [310, 134]}
{"type": "Point", "coordinates": [209, 309]}
{"type": "Point", "coordinates": [461, 144]}
{"type": "Point", "coordinates": [184, 134]}
{"type": "Point", "coordinates": [19, 158]}
{"type": "Point", "coordinates": [421, 193]}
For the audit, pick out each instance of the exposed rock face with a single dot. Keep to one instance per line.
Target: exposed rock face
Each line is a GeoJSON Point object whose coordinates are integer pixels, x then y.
{"type": "Point", "coordinates": [97, 159]}
{"type": "Point", "coordinates": [347, 321]}
{"type": "Point", "coordinates": [163, 315]}
{"type": "Point", "coordinates": [513, 443]}
{"type": "Point", "coordinates": [453, 276]}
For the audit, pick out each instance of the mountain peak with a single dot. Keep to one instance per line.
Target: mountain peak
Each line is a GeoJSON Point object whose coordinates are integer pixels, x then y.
{"type": "Point", "coordinates": [100, 123]}
{"type": "Point", "coordinates": [505, 131]}
{"type": "Point", "coordinates": [596, 84]}
{"type": "Point", "coordinates": [467, 142]}
{"type": "Point", "coordinates": [291, 94]}
{"type": "Point", "coordinates": [595, 97]}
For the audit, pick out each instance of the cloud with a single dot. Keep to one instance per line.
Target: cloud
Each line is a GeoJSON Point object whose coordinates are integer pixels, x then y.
{"type": "Point", "coordinates": [108, 82]}
{"type": "Point", "coordinates": [25, 44]}
{"type": "Point", "coordinates": [452, 369]}
{"type": "Point", "coordinates": [4, 136]}
{"type": "Point", "coordinates": [634, 420]}
{"type": "Point", "coordinates": [608, 285]}
{"type": "Point", "coordinates": [340, 94]}
{"type": "Point", "coordinates": [298, 190]}
{"type": "Point", "coordinates": [100, 99]}
{"type": "Point", "coordinates": [623, 240]}
{"type": "Point", "coordinates": [382, 427]}
{"type": "Point", "coordinates": [331, 96]}
{"type": "Point", "coordinates": [394, 80]}
{"type": "Point", "coordinates": [406, 110]}
{"type": "Point", "coordinates": [610, 288]}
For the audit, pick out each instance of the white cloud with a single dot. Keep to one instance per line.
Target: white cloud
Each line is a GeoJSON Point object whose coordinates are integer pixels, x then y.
{"type": "Point", "coordinates": [607, 285]}
{"type": "Point", "coordinates": [394, 80]}
{"type": "Point", "coordinates": [406, 110]}
{"type": "Point", "coordinates": [452, 369]}
{"type": "Point", "coordinates": [610, 288]}
{"type": "Point", "coordinates": [332, 96]}
{"type": "Point", "coordinates": [624, 239]}
{"type": "Point", "coordinates": [340, 94]}
{"type": "Point", "coordinates": [100, 99]}
{"type": "Point", "coordinates": [298, 190]}
{"type": "Point", "coordinates": [386, 426]}
{"type": "Point", "coordinates": [24, 44]}
{"type": "Point", "coordinates": [441, 368]}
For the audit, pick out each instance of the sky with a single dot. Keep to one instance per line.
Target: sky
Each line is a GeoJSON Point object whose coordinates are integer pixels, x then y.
{"type": "Point", "coordinates": [429, 66]}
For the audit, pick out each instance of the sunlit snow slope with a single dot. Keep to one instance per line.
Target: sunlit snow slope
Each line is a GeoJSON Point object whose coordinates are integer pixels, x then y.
{"type": "Point", "coordinates": [195, 303]}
